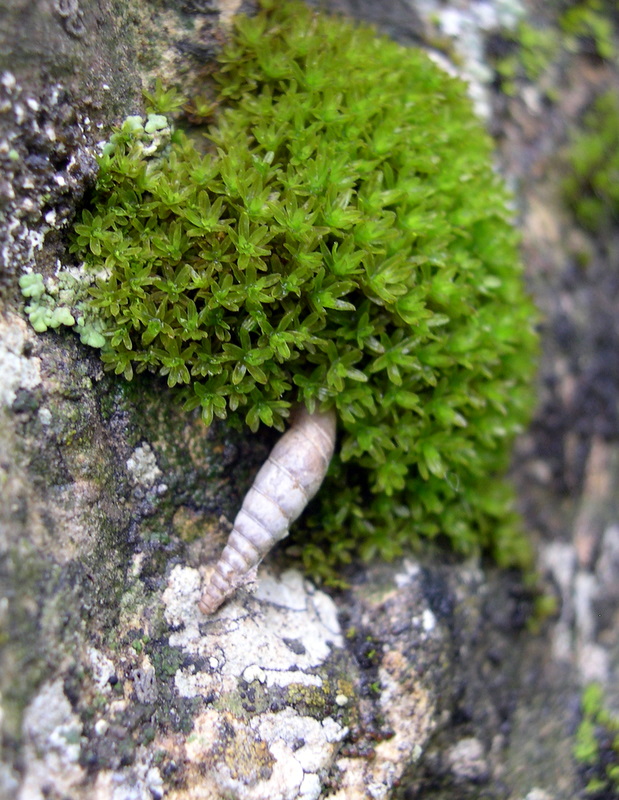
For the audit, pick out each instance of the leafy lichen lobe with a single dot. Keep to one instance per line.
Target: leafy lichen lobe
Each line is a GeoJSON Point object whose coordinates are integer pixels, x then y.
{"type": "Point", "coordinates": [339, 238]}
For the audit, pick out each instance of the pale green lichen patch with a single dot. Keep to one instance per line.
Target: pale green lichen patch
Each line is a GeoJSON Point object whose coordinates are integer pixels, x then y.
{"type": "Point", "coordinates": [32, 285]}
{"type": "Point", "coordinates": [62, 300]}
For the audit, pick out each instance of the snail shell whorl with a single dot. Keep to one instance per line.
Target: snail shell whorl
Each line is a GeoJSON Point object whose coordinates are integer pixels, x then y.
{"type": "Point", "coordinates": [285, 484]}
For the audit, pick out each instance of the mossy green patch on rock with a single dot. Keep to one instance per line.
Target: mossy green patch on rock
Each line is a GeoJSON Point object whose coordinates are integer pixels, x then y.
{"type": "Point", "coordinates": [529, 50]}
{"type": "Point", "coordinates": [592, 188]}
{"type": "Point", "coordinates": [590, 27]}
{"type": "Point", "coordinates": [344, 242]}
{"type": "Point", "coordinates": [537, 47]}
{"type": "Point", "coordinates": [596, 748]}
{"type": "Point", "coordinates": [336, 696]}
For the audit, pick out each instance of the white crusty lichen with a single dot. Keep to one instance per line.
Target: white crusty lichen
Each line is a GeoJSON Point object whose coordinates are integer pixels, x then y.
{"type": "Point", "coordinates": [18, 371]}
{"type": "Point", "coordinates": [288, 754]}
{"type": "Point", "coordinates": [281, 647]}
{"type": "Point", "coordinates": [142, 465]}
{"type": "Point", "coordinates": [467, 25]}
{"type": "Point", "coordinates": [52, 736]}
{"type": "Point", "coordinates": [288, 611]}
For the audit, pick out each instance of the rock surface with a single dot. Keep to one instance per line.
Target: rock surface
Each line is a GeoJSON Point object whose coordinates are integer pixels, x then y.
{"type": "Point", "coordinates": [424, 679]}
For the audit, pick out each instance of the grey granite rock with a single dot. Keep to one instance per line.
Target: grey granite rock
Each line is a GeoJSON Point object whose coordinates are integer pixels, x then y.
{"type": "Point", "coordinates": [425, 678]}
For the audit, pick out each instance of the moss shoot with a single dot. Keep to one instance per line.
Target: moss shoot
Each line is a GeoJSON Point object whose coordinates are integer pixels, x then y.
{"type": "Point", "coordinates": [337, 237]}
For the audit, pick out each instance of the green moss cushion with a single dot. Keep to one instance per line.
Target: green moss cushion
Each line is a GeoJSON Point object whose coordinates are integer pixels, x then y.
{"type": "Point", "coordinates": [344, 240]}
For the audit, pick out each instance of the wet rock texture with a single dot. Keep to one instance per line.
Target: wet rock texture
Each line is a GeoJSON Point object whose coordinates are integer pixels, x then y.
{"type": "Point", "coordinates": [424, 679]}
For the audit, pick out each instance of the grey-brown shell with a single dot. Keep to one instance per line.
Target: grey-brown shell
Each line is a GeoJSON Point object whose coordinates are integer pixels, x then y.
{"type": "Point", "coordinates": [282, 488]}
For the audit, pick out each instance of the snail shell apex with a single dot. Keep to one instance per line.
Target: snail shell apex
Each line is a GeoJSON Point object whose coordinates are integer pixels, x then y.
{"type": "Point", "coordinates": [284, 485]}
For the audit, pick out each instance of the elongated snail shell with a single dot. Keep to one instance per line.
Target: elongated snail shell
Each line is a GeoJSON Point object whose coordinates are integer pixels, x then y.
{"type": "Point", "coordinates": [285, 484]}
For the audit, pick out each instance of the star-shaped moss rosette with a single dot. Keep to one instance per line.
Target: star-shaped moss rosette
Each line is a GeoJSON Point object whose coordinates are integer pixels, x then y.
{"type": "Point", "coordinates": [341, 239]}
